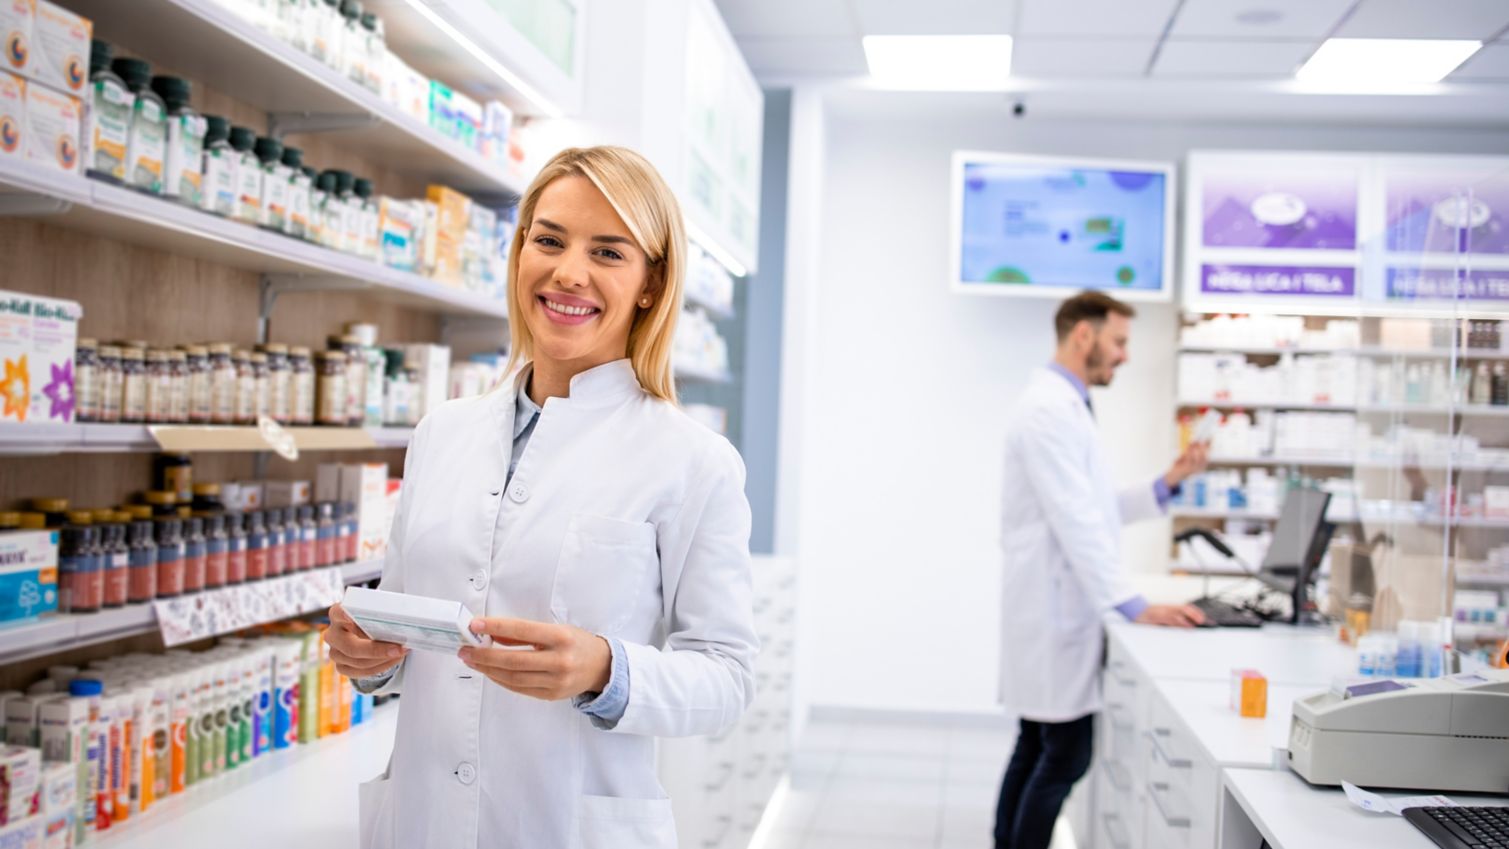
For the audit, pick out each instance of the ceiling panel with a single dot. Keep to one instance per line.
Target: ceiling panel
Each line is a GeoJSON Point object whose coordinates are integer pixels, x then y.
{"type": "Point", "coordinates": [787, 18]}
{"type": "Point", "coordinates": [1490, 63]}
{"type": "Point", "coordinates": [936, 17]}
{"type": "Point", "coordinates": [1091, 18]}
{"type": "Point", "coordinates": [1260, 19]}
{"type": "Point", "coordinates": [1480, 19]}
{"type": "Point", "coordinates": [1060, 58]}
{"type": "Point", "coordinates": [803, 56]}
{"type": "Point", "coordinates": [1227, 59]}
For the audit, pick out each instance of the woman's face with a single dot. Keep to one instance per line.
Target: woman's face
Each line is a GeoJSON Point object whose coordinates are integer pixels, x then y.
{"type": "Point", "coordinates": [582, 275]}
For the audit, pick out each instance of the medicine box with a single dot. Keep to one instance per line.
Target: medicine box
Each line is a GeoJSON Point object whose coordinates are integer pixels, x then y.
{"type": "Point", "coordinates": [26, 834]}
{"type": "Point", "coordinates": [20, 779]}
{"type": "Point", "coordinates": [1496, 502]}
{"type": "Point", "coordinates": [37, 340]}
{"type": "Point", "coordinates": [406, 88]}
{"type": "Point", "coordinates": [453, 215]}
{"type": "Point", "coordinates": [497, 122]}
{"type": "Point", "coordinates": [60, 45]}
{"type": "Point", "coordinates": [17, 23]}
{"type": "Point", "coordinates": [418, 622]}
{"type": "Point", "coordinates": [455, 115]}
{"type": "Point", "coordinates": [12, 116]}
{"type": "Point", "coordinates": [53, 122]}
{"type": "Point", "coordinates": [286, 493]}
{"type": "Point", "coordinates": [28, 575]}
{"type": "Point", "coordinates": [21, 727]}
{"type": "Point", "coordinates": [65, 728]}
{"type": "Point", "coordinates": [365, 485]}
{"type": "Point", "coordinates": [433, 363]}
{"type": "Point", "coordinates": [59, 805]}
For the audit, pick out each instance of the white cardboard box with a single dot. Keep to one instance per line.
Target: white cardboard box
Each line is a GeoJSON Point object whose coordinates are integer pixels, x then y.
{"type": "Point", "coordinates": [60, 45]}
{"type": "Point", "coordinates": [286, 493]}
{"type": "Point", "coordinates": [12, 116]}
{"type": "Point", "coordinates": [53, 123]}
{"type": "Point", "coordinates": [366, 485]}
{"type": "Point", "coordinates": [434, 365]}
{"type": "Point", "coordinates": [417, 622]}
{"type": "Point", "coordinates": [42, 333]}
{"type": "Point", "coordinates": [17, 24]}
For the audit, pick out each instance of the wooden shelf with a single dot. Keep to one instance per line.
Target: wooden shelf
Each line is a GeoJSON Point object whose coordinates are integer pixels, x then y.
{"type": "Point", "coordinates": [63, 632]}
{"type": "Point", "coordinates": [47, 439]}
{"type": "Point", "coordinates": [210, 44]}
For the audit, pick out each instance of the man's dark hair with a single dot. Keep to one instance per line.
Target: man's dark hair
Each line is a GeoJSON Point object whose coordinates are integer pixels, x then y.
{"type": "Point", "coordinates": [1087, 306]}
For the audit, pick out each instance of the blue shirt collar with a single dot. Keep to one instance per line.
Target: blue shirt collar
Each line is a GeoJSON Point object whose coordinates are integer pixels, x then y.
{"type": "Point", "coordinates": [1074, 381]}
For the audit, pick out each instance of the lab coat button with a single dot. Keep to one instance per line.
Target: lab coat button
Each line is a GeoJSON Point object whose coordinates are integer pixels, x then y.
{"type": "Point", "coordinates": [466, 773]}
{"type": "Point", "coordinates": [519, 493]}
{"type": "Point", "coordinates": [478, 580]}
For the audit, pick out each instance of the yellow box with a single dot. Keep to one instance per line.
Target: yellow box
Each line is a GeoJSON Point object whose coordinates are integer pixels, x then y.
{"type": "Point", "coordinates": [17, 23]}
{"type": "Point", "coordinates": [455, 210]}
{"type": "Point", "coordinates": [1253, 699]}
{"type": "Point", "coordinates": [60, 45]}
{"type": "Point", "coordinates": [12, 116]}
{"type": "Point", "coordinates": [53, 120]}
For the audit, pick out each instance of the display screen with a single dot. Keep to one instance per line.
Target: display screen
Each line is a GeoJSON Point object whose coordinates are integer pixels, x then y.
{"type": "Point", "coordinates": [1030, 225]}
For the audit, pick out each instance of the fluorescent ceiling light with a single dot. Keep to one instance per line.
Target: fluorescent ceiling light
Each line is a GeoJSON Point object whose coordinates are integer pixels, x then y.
{"type": "Point", "coordinates": [1372, 62]}
{"type": "Point", "coordinates": [529, 92]}
{"type": "Point", "coordinates": [940, 62]}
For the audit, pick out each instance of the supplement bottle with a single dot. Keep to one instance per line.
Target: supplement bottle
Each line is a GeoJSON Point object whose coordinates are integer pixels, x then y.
{"type": "Point", "coordinates": [184, 175]}
{"type": "Point", "coordinates": [256, 545]}
{"type": "Point", "coordinates": [221, 180]}
{"type": "Point", "coordinates": [117, 559]}
{"type": "Point", "coordinates": [276, 182]}
{"type": "Point", "coordinates": [201, 385]}
{"type": "Point", "coordinates": [178, 373]}
{"type": "Point", "coordinates": [107, 117]}
{"type": "Point", "coordinates": [110, 382]}
{"type": "Point", "coordinates": [235, 556]}
{"type": "Point", "coordinates": [143, 577]}
{"type": "Point", "coordinates": [133, 386]}
{"type": "Point", "coordinates": [86, 381]}
{"type": "Point", "coordinates": [279, 383]}
{"type": "Point", "coordinates": [194, 552]}
{"type": "Point", "coordinates": [222, 385]}
{"type": "Point", "coordinates": [301, 370]}
{"type": "Point", "coordinates": [246, 388]}
{"type": "Point", "coordinates": [169, 534]}
{"type": "Point", "coordinates": [147, 142]}
{"type": "Point", "coordinates": [248, 177]}
{"type": "Point", "coordinates": [299, 188]}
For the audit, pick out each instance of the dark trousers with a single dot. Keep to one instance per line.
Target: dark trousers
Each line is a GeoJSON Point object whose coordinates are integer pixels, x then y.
{"type": "Point", "coordinates": [1049, 758]}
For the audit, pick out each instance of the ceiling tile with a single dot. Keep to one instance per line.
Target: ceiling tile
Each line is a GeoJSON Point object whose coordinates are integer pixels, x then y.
{"type": "Point", "coordinates": [937, 17]}
{"type": "Point", "coordinates": [1480, 19]}
{"type": "Point", "coordinates": [803, 56]}
{"type": "Point", "coordinates": [787, 18]}
{"type": "Point", "coordinates": [1091, 18]}
{"type": "Point", "coordinates": [1259, 19]}
{"type": "Point", "coordinates": [1490, 63]}
{"type": "Point", "coordinates": [1215, 59]}
{"type": "Point", "coordinates": [1060, 58]}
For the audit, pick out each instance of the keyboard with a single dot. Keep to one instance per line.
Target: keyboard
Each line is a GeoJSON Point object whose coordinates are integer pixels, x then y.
{"type": "Point", "coordinates": [1462, 828]}
{"type": "Point", "coordinates": [1220, 614]}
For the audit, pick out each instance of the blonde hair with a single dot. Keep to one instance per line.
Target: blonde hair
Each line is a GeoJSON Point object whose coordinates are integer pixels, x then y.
{"type": "Point", "coordinates": [648, 208]}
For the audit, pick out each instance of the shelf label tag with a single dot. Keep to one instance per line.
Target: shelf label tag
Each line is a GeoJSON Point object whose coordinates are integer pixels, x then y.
{"type": "Point", "coordinates": [278, 438]}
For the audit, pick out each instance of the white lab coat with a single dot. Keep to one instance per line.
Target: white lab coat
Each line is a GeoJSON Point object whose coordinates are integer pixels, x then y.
{"type": "Point", "coordinates": [1060, 538]}
{"type": "Point", "coordinates": [624, 517]}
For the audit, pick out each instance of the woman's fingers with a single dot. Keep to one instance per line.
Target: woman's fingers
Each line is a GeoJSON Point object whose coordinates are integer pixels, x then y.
{"type": "Point", "coordinates": [354, 667]}
{"type": "Point", "coordinates": [512, 660]}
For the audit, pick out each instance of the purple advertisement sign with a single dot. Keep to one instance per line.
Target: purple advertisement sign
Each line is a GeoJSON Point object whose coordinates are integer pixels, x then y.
{"type": "Point", "coordinates": [1305, 210]}
{"type": "Point", "coordinates": [1443, 214]}
{"type": "Point", "coordinates": [1278, 280]}
{"type": "Point", "coordinates": [1446, 284]}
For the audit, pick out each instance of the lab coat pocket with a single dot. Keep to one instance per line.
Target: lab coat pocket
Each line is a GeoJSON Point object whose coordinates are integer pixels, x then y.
{"type": "Point", "coordinates": [608, 822]}
{"type": "Point", "coordinates": [375, 807]}
{"type": "Point", "coordinates": [605, 568]}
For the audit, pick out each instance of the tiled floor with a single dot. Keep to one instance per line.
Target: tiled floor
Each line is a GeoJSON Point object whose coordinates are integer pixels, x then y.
{"type": "Point", "coordinates": [898, 785]}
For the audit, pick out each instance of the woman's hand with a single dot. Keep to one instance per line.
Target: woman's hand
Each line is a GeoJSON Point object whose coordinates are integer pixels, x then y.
{"type": "Point", "coordinates": [541, 660]}
{"type": "Point", "coordinates": [356, 656]}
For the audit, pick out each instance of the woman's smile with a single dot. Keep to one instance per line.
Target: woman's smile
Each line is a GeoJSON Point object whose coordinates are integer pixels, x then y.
{"type": "Point", "coordinates": [568, 310]}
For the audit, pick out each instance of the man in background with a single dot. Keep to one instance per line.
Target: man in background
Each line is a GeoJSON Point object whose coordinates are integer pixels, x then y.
{"type": "Point", "coordinates": [1061, 531]}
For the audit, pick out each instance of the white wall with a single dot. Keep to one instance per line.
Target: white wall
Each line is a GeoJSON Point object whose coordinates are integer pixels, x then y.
{"type": "Point", "coordinates": [897, 474]}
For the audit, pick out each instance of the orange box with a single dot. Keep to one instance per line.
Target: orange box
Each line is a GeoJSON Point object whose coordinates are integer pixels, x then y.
{"type": "Point", "coordinates": [1249, 692]}
{"type": "Point", "coordinates": [455, 211]}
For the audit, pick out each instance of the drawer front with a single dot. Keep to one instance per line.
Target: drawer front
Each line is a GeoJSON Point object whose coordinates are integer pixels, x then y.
{"type": "Point", "coordinates": [1169, 821]}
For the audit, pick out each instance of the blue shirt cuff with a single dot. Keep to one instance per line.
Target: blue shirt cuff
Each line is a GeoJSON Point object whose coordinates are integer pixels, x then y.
{"type": "Point", "coordinates": [372, 683]}
{"type": "Point", "coordinates": [605, 709]}
{"type": "Point", "coordinates": [1164, 493]}
{"type": "Point", "coordinates": [1132, 608]}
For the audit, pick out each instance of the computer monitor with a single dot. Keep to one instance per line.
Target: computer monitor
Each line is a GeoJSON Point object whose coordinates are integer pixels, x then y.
{"type": "Point", "coordinates": [1299, 544]}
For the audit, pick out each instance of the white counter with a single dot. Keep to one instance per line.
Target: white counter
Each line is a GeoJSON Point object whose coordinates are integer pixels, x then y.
{"type": "Point", "coordinates": [1279, 807]}
{"type": "Point", "coordinates": [302, 798]}
{"type": "Point", "coordinates": [1287, 655]}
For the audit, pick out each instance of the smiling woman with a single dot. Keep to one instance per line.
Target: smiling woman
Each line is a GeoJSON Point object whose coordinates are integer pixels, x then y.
{"type": "Point", "coordinates": [596, 272]}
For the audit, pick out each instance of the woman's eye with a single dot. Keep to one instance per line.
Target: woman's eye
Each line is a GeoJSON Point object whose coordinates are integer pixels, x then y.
{"type": "Point", "coordinates": [609, 253]}
{"type": "Point", "coordinates": [547, 241]}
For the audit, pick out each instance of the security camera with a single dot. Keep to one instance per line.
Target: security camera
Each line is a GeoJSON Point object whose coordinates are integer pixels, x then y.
{"type": "Point", "coordinates": [1019, 108]}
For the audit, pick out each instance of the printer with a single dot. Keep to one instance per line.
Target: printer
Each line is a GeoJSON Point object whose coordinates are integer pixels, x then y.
{"type": "Point", "coordinates": [1442, 734]}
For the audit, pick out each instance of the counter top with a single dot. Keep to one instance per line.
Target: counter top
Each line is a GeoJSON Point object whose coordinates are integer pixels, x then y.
{"type": "Point", "coordinates": [1286, 655]}
{"type": "Point", "coordinates": [1291, 814]}
{"type": "Point", "coordinates": [1230, 739]}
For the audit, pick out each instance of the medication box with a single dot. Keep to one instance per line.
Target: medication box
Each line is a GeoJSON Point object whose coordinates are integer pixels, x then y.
{"type": "Point", "coordinates": [28, 578]}
{"type": "Point", "coordinates": [26, 834]}
{"type": "Point", "coordinates": [365, 485]}
{"type": "Point", "coordinates": [417, 622]}
{"type": "Point", "coordinates": [60, 41]}
{"type": "Point", "coordinates": [1249, 693]}
{"type": "Point", "coordinates": [37, 339]}
{"type": "Point", "coordinates": [12, 116]}
{"type": "Point", "coordinates": [17, 22]}
{"type": "Point", "coordinates": [53, 121]}
{"type": "Point", "coordinates": [20, 779]}
{"type": "Point", "coordinates": [433, 363]}
{"type": "Point", "coordinates": [286, 493]}
{"type": "Point", "coordinates": [453, 216]}
{"type": "Point", "coordinates": [455, 115]}
{"type": "Point", "coordinates": [1496, 502]}
{"type": "Point", "coordinates": [497, 121]}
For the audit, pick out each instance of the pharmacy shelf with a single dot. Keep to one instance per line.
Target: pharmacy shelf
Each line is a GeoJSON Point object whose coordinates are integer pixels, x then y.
{"type": "Point", "coordinates": [210, 44]}
{"type": "Point", "coordinates": [301, 797]}
{"type": "Point", "coordinates": [68, 631]}
{"type": "Point", "coordinates": [1182, 512]}
{"type": "Point", "coordinates": [1476, 410]}
{"type": "Point", "coordinates": [716, 311]}
{"type": "Point", "coordinates": [1339, 462]}
{"type": "Point", "coordinates": [48, 439]}
{"type": "Point", "coordinates": [1364, 351]}
{"type": "Point", "coordinates": [1500, 581]}
{"type": "Point", "coordinates": [119, 213]}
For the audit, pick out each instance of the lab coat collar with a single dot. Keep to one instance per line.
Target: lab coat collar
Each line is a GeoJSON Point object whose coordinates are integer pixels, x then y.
{"type": "Point", "coordinates": [602, 386]}
{"type": "Point", "coordinates": [1079, 385]}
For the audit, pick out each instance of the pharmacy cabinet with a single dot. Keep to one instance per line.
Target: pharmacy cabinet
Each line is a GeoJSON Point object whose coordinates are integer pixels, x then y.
{"type": "Point", "coordinates": [720, 785]}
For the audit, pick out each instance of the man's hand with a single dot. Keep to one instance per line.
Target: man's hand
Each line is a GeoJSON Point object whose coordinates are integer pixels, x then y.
{"type": "Point", "coordinates": [1172, 615]}
{"type": "Point", "coordinates": [1193, 461]}
{"type": "Point", "coordinates": [541, 660]}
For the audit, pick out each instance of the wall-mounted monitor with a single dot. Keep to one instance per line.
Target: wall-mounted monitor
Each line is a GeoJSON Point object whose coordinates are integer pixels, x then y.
{"type": "Point", "coordinates": [1050, 227]}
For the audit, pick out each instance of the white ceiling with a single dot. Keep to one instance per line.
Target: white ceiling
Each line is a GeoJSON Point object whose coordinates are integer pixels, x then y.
{"type": "Point", "coordinates": [1079, 40]}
